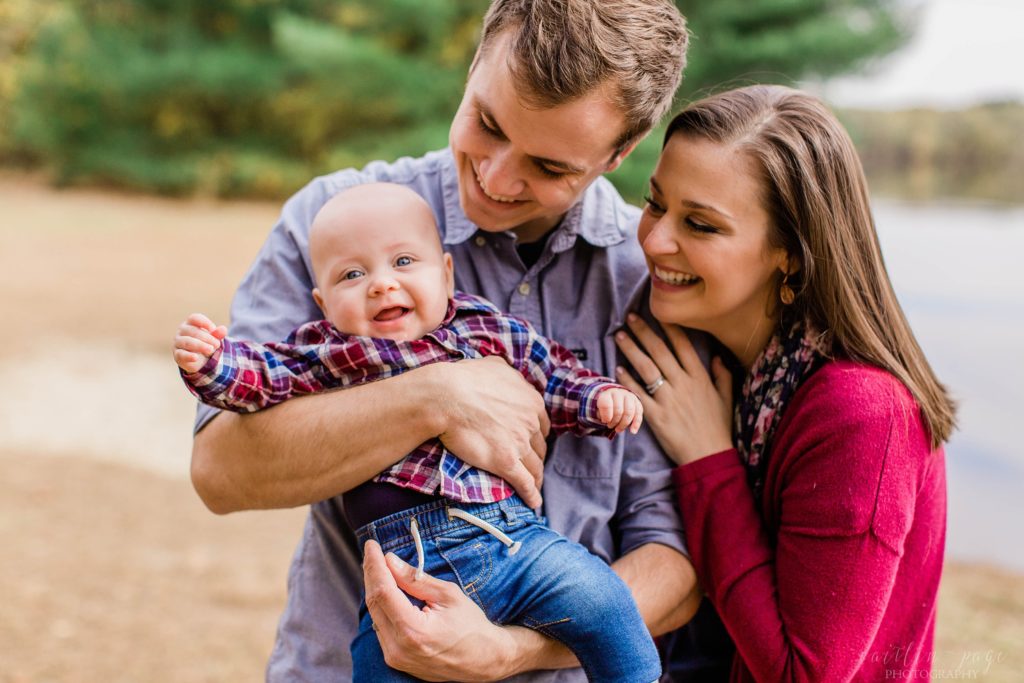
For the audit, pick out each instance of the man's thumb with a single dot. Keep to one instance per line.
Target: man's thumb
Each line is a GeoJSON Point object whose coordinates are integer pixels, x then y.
{"type": "Point", "coordinates": [426, 588]}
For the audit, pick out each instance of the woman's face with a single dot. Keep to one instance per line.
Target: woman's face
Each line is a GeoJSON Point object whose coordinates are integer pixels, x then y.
{"type": "Point", "coordinates": [705, 231]}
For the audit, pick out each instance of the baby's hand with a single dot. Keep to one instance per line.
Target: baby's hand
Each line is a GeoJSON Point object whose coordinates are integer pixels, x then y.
{"type": "Point", "coordinates": [197, 339]}
{"type": "Point", "coordinates": [620, 408]}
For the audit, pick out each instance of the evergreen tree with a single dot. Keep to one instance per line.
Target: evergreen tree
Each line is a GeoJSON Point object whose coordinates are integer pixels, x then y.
{"type": "Point", "coordinates": [740, 42]}
{"type": "Point", "coordinates": [256, 96]}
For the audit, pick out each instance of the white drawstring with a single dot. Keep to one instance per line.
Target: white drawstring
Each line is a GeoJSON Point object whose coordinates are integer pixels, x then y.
{"type": "Point", "coordinates": [513, 546]}
{"type": "Point", "coordinates": [414, 528]}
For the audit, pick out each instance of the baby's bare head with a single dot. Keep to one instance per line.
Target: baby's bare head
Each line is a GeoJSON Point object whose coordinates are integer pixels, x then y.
{"type": "Point", "coordinates": [378, 264]}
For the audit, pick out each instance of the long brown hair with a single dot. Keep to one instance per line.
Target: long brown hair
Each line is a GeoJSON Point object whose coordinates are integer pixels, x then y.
{"type": "Point", "coordinates": [817, 197]}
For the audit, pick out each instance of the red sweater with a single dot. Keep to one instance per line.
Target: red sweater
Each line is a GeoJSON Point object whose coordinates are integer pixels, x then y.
{"type": "Point", "coordinates": [835, 577]}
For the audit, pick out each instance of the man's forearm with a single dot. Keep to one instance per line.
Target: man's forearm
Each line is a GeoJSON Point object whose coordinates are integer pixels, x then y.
{"type": "Point", "coordinates": [312, 447]}
{"type": "Point", "coordinates": [663, 583]}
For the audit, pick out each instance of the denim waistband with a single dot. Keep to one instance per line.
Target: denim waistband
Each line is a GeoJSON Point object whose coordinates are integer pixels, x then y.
{"type": "Point", "coordinates": [392, 532]}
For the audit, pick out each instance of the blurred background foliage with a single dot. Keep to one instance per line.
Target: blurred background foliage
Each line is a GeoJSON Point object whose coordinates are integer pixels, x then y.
{"type": "Point", "coordinates": [254, 97]}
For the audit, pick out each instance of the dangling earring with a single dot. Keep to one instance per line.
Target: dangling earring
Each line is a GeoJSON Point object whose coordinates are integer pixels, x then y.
{"type": "Point", "coordinates": [786, 292]}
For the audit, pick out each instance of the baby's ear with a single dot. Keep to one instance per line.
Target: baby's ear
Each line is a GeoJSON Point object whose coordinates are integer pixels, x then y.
{"type": "Point", "coordinates": [319, 300]}
{"type": "Point", "coordinates": [449, 274]}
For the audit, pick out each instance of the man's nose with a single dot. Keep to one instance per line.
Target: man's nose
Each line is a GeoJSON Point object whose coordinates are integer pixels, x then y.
{"type": "Point", "coordinates": [501, 175]}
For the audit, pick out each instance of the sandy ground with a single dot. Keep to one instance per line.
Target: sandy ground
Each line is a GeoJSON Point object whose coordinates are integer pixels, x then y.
{"type": "Point", "coordinates": [111, 570]}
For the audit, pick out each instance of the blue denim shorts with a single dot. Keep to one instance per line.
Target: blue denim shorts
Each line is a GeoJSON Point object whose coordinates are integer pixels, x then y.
{"type": "Point", "coordinates": [549, 584]}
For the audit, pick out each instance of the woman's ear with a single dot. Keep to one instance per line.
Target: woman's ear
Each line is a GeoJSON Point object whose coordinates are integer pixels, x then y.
{"type": "Point", "coordinates": [790, 264]}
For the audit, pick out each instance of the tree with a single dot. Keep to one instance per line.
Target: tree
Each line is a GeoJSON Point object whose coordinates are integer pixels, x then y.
{"type": "Point", "coordinates": [740, 42]}
{"type": "Point", "coordinates": [256, 96]}
{"type": "Point", "coordinates": [238, 96]}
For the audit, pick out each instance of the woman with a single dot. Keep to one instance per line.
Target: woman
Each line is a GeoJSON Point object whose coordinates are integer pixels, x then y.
{"type": "Point", "coordinates": [815, 508]}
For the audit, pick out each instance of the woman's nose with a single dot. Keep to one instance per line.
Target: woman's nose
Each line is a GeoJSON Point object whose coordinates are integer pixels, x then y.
{"type": "Point", "coordinates": [659, 239]}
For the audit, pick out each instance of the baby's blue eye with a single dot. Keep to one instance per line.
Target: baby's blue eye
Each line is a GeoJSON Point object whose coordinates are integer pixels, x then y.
{"type": "Point", "coordinates": [403, 261]}
{"type": "Point", "coordinates": [353, 274]}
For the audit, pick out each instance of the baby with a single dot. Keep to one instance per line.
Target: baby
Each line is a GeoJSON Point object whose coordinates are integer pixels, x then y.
{"type": "Point", "coordinates": [386, 289]}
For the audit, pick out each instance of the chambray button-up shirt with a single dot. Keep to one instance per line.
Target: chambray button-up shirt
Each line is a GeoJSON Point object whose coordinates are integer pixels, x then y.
{"type": "Point", "coordinates": [611, 496]}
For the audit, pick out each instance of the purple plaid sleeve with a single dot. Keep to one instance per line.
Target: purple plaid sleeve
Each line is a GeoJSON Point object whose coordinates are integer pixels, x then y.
{"type": "Point", "coordinates": [245, 376]}
{"type": "Point", "coordinates": [570, 390]}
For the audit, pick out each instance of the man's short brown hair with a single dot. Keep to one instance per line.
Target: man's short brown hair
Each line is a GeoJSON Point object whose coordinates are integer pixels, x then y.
{"type": "Point", "coordinates": [560, 50]}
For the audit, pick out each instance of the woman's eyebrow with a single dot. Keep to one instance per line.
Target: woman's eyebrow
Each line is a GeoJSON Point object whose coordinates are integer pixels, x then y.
{"type": "Point", "coordinates": [692, 204]}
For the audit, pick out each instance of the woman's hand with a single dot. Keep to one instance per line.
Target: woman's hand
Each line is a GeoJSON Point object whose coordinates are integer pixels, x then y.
{"type": "Point", "coordinates": [448, 639]}
{"type": "Point", "coordinates": [691, 416]}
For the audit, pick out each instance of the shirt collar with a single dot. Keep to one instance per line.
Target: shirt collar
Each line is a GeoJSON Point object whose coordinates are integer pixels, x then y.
{"type": "Point", "coordinates": [463, 303]}
{"type": "Point", "coordinates": [596, 218]}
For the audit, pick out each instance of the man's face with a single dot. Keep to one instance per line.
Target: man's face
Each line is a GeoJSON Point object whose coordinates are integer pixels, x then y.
{"type": "Point", "coordinates": [522, 168]}
{"type": "Point", "coordinates": [379, 265]}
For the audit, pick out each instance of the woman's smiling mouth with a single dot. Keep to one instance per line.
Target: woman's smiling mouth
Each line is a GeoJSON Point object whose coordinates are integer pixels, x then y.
{"type": "Point", "coordinates": [674, 277]}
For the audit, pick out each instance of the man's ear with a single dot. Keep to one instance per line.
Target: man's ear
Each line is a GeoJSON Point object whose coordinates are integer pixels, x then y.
{"type": "Point", "coordinates": [621, 156]}
{"type": "Point", "coordinates": [449, 274]}
{"type": "Point", "coordinates": [319, 300]}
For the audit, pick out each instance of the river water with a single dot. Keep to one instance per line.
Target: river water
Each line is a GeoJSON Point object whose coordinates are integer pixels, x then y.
{"type": "Point", "coordinates": [958, 272]}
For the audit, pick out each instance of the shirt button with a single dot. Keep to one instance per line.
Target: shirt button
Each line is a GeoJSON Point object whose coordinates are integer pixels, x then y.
{"type": "Point", "coordinates": [524, 289]}
{"type": "Point", "coordinates": [480, 241]}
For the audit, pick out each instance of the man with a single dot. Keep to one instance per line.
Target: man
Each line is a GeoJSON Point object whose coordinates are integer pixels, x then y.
{"type": "Point", "coordinates": [558, 94]}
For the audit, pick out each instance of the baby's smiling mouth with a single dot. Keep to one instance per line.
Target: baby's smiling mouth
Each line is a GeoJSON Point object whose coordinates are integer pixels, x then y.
{"type": "Point", "coordinates": [391, 313]}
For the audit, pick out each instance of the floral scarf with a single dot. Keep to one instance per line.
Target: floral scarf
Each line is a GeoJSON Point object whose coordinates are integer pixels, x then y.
{"type": "Point", "coordinates": [790, 356]}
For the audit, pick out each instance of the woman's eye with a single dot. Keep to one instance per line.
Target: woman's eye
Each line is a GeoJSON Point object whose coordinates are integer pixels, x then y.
{"type": "Point", "coordinates": [403, 261]}
{"type": "Point", "coordinates": [700, 227]}
{"type": "Point", "coordinates": [653, 206]}
{"type": "Point", "coordinates": [352, 275]}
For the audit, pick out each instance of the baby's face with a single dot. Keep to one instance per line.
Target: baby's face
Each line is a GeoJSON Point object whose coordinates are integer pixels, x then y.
{"type": "Point", "coordinates": [379, 265]}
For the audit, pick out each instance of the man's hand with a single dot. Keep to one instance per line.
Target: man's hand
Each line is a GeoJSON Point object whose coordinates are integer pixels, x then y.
{"type": "Point", "coordinates": [620, 408]}
{"type": "Point", "coordinates": [197, 339]}
{"type": "Point", "coordinates": [448, 639]}
{"type": "Point", "coordinates": [495, 421]}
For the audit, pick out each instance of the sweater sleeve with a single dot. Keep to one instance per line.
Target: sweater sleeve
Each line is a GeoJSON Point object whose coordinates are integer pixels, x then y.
{"type": "Point", "coordinates": [804, 596]}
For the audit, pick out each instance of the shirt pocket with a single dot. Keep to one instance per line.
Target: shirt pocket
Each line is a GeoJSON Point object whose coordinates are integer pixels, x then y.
{"type": "Point", "coordinates": [588, 457]}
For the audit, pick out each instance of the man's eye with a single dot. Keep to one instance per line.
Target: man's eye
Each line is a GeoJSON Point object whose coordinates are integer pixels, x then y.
{"type": "Point", "coordinates": [352, 275]}
{"type": "Point", "coordinates": [403, 261]}
{"type": "Point", "coordinates": [487, 128]}
{"type": "Point", "coordinates": [549, 172]}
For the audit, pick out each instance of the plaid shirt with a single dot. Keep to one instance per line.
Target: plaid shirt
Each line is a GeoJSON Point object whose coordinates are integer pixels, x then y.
{"type": "Point", "coordinates": [245, 376]}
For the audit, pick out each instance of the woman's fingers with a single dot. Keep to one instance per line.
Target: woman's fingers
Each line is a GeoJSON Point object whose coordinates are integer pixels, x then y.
{"type": "Point", "coordinates": [683, 347]}
{"type": "Point", "coordinates": [668, 365]}
{"type": "Point", "coordinates": [641, 362]}
{"type": "Point", "coordinates": [723, 380]}
{"type": "Point", "coordinates": [623, 377]}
